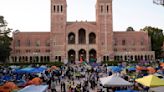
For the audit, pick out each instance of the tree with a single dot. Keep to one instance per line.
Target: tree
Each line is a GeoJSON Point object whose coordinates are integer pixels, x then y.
{"type": "Point", "coordinates": [5, 40]}
{"type": "Point", "coordinates": [129, 29]}
{"type": "Point", "coordinates": [157, 39]}
{"type": "Point", "coordinates": [159, 2]}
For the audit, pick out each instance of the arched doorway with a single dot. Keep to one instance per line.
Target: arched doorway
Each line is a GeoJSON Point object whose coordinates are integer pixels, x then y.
{"type": "Point", "coordinates": [71, 38]}
{"type": "Point", "coordinates": [92, 38]}
{"type": "Point", "coordinates": [82, 36]}
{"type": "Point", "coordinates": [92, 55]}
{"type": "Point", "coordinates": [71, 56]}
{"type": "Point", "coordinates": [82, 54]}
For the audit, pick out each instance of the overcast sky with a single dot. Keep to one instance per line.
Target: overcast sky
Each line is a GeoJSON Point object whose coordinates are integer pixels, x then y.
{"type": "Point", "coordinates": [34, 15]}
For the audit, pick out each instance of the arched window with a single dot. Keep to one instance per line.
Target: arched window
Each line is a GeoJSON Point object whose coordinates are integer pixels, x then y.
{"type": "Point", "coordinates": [82, 36]}
{"type": "Point", "coordinates": [71, 38]}
{"type": "Point", "coordinates": [92, 38]}
{"type": "Point", "coordinates": [92, 55]}
{"type": "Point", "coordinates": [71, 56]}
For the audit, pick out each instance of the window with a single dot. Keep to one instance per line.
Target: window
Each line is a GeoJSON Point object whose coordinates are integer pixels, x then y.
{"type": "Point", "coordinates": [101, 7]}
{"type": "Point", "coordinates": [18, 51]}
{"type": "Point", "coordinates": [28, 51]}
{"type": "Point", "coordinates": [92, 38]}
{"type": "Point", "coordinates": [37, 43]}
{"type": "Point", "coordinates": [37, 50]}
{"type": "Point", "coordinates": [123, 42]}
{"type": "Point", "coordinates": [57, 8]}
{"type": "Point", "coordinates": [115, 42]}
{"type": "Point", "coordinates": [107, 8]}
{"type": "Point", "coordinates": [124, 49]}
{"type": "Point", "coordinates": [82, 36]}
{"type": "Point", "coordinates": [142, 42]}
{"type": "Point", "coordinates": [71, 38]}
{"type": "Point", "coordinates": [61, 8]}
{"type": "Point", "coordinates": [47, 43]}
{"type": "Point", "coordinates": [47, 50]}
{"type": "Point", "coordinates": [54, 8]}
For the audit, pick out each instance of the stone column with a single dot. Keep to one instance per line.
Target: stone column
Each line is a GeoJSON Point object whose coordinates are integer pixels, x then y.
{"type": "Point", "coordinates": [76, 56]}
{"type": "Point", "coordinates": [87, 55]}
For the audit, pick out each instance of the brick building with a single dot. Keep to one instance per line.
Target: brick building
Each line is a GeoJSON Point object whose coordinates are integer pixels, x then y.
{"type": "Point", "coordinates": [72, 41]}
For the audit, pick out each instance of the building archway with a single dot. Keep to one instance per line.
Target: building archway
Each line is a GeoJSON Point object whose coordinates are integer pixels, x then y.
{"type": "Point", "coordinates": [71, 56]}
{"type": "Point", "coordinates": [92, 55]}
{"type": "Point", "coordinates": [92, 38]}
{"type": "Point", "coordinates": [82, 55]}
{"type": "Point", "coordinates": [71, 38]}
{"type": "Point", "coordinates": [82, 36]}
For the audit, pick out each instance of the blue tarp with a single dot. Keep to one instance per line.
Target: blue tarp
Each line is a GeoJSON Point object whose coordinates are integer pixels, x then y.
{"type": "Point", "coordinates": [30, 70]}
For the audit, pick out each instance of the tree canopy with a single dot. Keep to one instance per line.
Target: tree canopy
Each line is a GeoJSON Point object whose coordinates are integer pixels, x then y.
{"type": "Point", "coordinates": [157, 39]}
{"type": "Point", "coordinates": [5, 40]}
{"type": "Point", "coordinates": [129, 29]}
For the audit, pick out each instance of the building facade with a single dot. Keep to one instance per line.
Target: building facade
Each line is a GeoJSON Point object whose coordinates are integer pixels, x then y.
{"type": "Point", "coordinates": [72, 41]}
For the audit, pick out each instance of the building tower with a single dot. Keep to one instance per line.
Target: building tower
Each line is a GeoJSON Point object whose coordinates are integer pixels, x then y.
{"type": "Point", "coordinates": [58, 29]}
{"type": "Point", "coordinates": [105, 26]}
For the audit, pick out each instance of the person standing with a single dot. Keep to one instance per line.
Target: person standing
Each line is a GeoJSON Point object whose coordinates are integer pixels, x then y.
{"type": "Point", "coordinates": [53, 85]}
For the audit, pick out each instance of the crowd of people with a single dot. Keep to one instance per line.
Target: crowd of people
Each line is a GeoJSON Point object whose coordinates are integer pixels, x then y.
{"type": "Point", "coordinates": [77, 77]}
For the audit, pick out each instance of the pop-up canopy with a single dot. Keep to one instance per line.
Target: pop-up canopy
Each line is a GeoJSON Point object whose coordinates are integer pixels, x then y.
{"type": "Point", "coordinates": [150, 81]}
{"type": "Point", "coordinates": [115, 81]}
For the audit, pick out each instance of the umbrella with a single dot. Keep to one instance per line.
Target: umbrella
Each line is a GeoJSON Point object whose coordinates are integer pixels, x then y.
{"type": "Point", "coordinates": [150, 81]}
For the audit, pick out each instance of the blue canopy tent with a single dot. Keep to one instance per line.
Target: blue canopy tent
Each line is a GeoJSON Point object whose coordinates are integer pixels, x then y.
{"type": "Point", "coordinates": [115, 68]}
{"type": "Point", "coordinates": [132, 68]}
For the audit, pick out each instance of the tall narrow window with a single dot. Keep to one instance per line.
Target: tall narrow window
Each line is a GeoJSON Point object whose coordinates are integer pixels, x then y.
{"type": "Point", "coordinates": [61, 8]}
{"type": "Point", "coordinates": [123, 42]}
{"type": "Point", "coordinates": [107, 8]}
{"type": "Point", "coordinates": [57, 8]}
{"type": "Point", "coordinates": [54, 8]}
{"type": "Point", "coordinates": [101, 8]}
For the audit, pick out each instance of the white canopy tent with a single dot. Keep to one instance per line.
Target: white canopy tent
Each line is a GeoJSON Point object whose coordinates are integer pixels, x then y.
{"type": "Point", "coordinates": [114, 80]}
{"type": "Point", "coordinates": [157, 89]}
{"type": "Point", "coordinates": [35, 88]}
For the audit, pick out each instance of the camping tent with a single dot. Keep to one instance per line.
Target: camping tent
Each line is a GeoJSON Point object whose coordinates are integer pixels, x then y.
{"type": "Point", "coordinates": [150, 81]}
{"type": "Point", "coordinates": [34, 88]}
{"type": "Point", "coordinates": [115, 81]}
